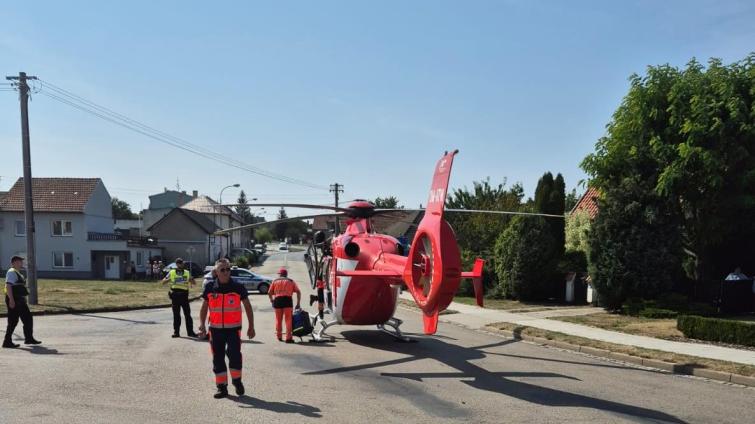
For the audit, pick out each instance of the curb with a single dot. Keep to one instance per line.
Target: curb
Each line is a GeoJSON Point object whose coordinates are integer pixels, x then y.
{"type": "Point", "coordinates": [671, 367]}
{"type": "Point", "coordinates": [107, 309]}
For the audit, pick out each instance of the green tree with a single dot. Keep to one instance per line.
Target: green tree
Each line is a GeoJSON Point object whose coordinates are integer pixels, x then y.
{"type": "Point", "coordinates": [526, 259]}
{"type": "Point", "coordinates": [571, 200]}
{"type": "Point", "coordinates": [550, 198]}
{"type": "Point", "coordinates": [263, 235]}
{"type": "Point", "coordinates": [122, 210]}
{"type": "Point", "coordinates": [477, 233]}
{"type": "Point", "coordinates": [688, 138]}
{"type": "Point", "coordinates": [390, 202]}
{"type": "Point", "coordinates": [242, 208]}
{"type": "Point", "coordinates": [279, 230]}
{"type": "Point", "coordinates": [634, 245]}
{"type": "Point", "coordinates": [246, 215]}
{"type": "Point", "coordinates": [577, 232]}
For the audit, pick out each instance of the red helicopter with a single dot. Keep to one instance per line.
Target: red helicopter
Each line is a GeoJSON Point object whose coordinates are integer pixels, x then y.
{"type": "Point", "coordinates": [359, 273]}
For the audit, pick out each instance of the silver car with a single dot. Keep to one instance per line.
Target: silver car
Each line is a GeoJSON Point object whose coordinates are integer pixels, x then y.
{"type": "Point", "coordinates": [250, 280]}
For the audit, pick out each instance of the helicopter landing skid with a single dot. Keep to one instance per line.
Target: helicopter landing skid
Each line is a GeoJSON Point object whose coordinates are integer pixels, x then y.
{"type": "Point", "coordinates": [319, 335]}
{"type": "Point", "coordinates": [394, 323]}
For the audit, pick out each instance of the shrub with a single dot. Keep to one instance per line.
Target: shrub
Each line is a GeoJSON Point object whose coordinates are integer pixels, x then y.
{"type": "Point", "coordinates": [634, 245]}
{"type": "Point", "coordinates": [673, 301]}
{"type": "Point", "coordinates": [658, 313]}
{"type": "Point", "coordinates": [573, 261]}
{"type": "Point", "coordinates": [241, 262]}
{"type": "Point", "coordinates": [717, 330]}
{"type": "Point", "coordinates": [525, 259]}
{"type": "Point", "coordinates": [701, 309]}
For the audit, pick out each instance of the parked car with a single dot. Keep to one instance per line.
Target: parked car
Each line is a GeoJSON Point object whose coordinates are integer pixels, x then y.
{"type": "Point", "coordinates": [252, 281]}
{"type": "Point", "coordinates": [193, 267]}
{"type": "Point", "coordinates": [283, 246]}
{"type": "Point", "coordinates": [260, 248]}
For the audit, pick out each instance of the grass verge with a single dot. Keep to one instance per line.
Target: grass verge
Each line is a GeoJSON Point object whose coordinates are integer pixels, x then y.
{"type": "Point", "coordinates": [682, 361]}
{"type": "Point", "coordinates": [658, 328]}
{"type": "Point", "coordinates": [515, 305]}
{"type": "Point", "coordinates": [56, 296]}
{"type": "Point", "coordinates": [410, 304]}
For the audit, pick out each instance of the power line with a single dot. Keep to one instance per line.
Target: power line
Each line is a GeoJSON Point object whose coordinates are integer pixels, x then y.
{"type": "Point", "coordinates": [78, 102]}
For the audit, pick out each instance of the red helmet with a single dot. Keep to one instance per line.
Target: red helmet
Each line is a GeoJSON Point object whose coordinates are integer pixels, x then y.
{"type": "Point", "coordinates": [282, 272]}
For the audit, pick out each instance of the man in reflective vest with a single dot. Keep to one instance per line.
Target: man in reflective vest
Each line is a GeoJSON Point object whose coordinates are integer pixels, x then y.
{"type": "Point", "coordinates": [180, 279]}
{"type": "Point", "coordinates": [281, 293]}
{"type": "Point", "coordinates": [223, 299]}
{"type": "Point", "coordinates": [15, 299]}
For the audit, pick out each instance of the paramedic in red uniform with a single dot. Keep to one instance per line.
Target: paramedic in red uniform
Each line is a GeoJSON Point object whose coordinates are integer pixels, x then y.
{"type": "Point", "coordinates": [223, 298]}
{"type": "Point", "coordinates": [281, 294]}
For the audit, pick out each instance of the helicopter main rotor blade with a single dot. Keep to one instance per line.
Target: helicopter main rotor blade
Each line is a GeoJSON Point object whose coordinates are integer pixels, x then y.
{"type": "Point", "coordinates": [480, 211]}
{"type": "Point", "coordinates": [262, 224]}
{"type": "Point", "coordinates": [291, 205]}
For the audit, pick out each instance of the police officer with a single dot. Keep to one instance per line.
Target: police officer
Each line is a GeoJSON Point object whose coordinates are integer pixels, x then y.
{"type": "Point", "coordinates": [281, 294]}
{"type": "Point", "coordinates": [223, 298]}
{"type": "Point", "coordinates": [180, 279]}
{"type": "Point", "coordinates": [15, 300]}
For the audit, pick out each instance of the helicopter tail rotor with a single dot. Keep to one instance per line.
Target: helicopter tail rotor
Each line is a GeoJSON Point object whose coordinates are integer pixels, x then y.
{"type": "Point", "coordinates": [433, 269]}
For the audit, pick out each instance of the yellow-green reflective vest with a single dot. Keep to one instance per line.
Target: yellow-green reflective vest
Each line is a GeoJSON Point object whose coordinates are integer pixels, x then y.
{"type": "Point", "coordinates": [179, 282]}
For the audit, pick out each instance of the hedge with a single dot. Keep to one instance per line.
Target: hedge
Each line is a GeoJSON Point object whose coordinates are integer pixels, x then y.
{"type": "Point", "coordinates": [658, 313]}
{"type": "Point", "coordinates": [717, 330]}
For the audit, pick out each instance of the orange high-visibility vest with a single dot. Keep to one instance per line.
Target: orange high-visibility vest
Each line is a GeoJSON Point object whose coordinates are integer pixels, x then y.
{"type": "Point", "coordinates": [283, 287]}
{"type": "Point", "coordinates": [225, 309]}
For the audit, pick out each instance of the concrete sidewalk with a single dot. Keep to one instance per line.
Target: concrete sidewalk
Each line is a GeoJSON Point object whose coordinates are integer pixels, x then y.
{"type": "Point", "coordinates": [475, 317]}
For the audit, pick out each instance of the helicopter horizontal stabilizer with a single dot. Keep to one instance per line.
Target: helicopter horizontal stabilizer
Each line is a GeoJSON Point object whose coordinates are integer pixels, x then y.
{"type": "Point", "coordinates": [476, 276]}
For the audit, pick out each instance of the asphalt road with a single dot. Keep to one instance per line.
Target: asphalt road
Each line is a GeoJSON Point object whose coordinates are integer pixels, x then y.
{"type": "Point", "coordinates": [125, 368]}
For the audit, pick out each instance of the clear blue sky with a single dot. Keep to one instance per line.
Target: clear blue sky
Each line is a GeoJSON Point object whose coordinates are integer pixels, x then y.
{"type": "Point", "coordinates": [368, 94]}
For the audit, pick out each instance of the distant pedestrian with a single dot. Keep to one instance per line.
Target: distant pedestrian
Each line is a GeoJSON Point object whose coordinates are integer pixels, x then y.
{"type": "Point", "coordinates": [133, 270]}
{"type": "Point", "coordinates": [156, 271]}
{"type": "Point", "coordinates": [148, 271]}
{"type": "Point", "coordinates": [180, 279]}
{"type": "Point", "coordinates": [223, 298]}
{"type": "Point", "coordinates": [15, 299]}
{"type": "Point", "coordinates": [281, 294]}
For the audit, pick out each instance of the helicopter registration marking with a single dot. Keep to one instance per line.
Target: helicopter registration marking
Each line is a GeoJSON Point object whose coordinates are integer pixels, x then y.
{"type": "Point", "coordinates": [437, 195]}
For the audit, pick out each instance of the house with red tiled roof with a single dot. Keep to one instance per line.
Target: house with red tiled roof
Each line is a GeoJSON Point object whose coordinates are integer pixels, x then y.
{"type": "Point", "coordinates": [74, 232]}
{"type": "Point", "coordinates": [588, 203]}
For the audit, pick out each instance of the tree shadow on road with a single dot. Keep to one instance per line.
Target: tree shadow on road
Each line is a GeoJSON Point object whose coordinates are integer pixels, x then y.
{"type": "Point", "coordinates": [460, 359]}
{"type": "Point", "coordinates": [289, 407]}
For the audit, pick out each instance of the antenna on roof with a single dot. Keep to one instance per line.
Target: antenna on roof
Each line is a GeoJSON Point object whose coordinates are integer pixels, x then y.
{"type": "Point", "coordinates": [178, 185]}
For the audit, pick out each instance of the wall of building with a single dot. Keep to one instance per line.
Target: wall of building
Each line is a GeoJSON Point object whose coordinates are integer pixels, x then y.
{"type": "Point", "coordinates": [176, 234]}
{"type": "Point", "coordinates": [99, 211]}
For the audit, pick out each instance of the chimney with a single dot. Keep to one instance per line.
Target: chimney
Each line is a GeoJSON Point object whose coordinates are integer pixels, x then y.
{"type": "Point", "coordinates": [183, 192]}
{"type": "Point", "coordinates": [194, 194]}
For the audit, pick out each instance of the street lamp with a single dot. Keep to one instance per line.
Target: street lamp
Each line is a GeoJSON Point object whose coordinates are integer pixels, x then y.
{"type": "Point", "coordinates": [220, 199]}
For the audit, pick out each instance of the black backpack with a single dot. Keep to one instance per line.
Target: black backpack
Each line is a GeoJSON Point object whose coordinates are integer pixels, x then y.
{"type": "Point", "coordinates": [302, 323]}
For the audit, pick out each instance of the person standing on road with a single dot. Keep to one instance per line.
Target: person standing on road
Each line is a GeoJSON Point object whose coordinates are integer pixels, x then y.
{"type": "Point", "coordinates": [180, 279]}
{"type": "Point", "coordinates": [223, 298]}
{"type": "Point", "coordinates": [281, 293]}
{"type": "Point", "coordinates": [15, 300]}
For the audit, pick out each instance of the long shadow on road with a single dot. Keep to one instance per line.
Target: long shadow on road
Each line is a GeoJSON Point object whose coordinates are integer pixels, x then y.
{"type": "Point", "coordinates": [289, 407]}
{"type": "Point", "coordinates": [459, 358]}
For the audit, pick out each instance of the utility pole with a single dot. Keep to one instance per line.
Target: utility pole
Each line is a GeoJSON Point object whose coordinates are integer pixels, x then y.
{"type": "Point", "coordinates": [31, 264]}
{"type": "Point", "coordinates": [336, 189]}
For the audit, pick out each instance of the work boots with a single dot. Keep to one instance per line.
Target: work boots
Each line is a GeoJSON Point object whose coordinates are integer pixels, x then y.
{"type": "Point", "coordinates": [222, 391]}
{"type": "Point", "coordinates": [238, 386]}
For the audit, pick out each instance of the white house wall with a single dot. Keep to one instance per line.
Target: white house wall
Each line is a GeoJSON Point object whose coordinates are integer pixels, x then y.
{"type": "Point", "coordinates": [99, 211]}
